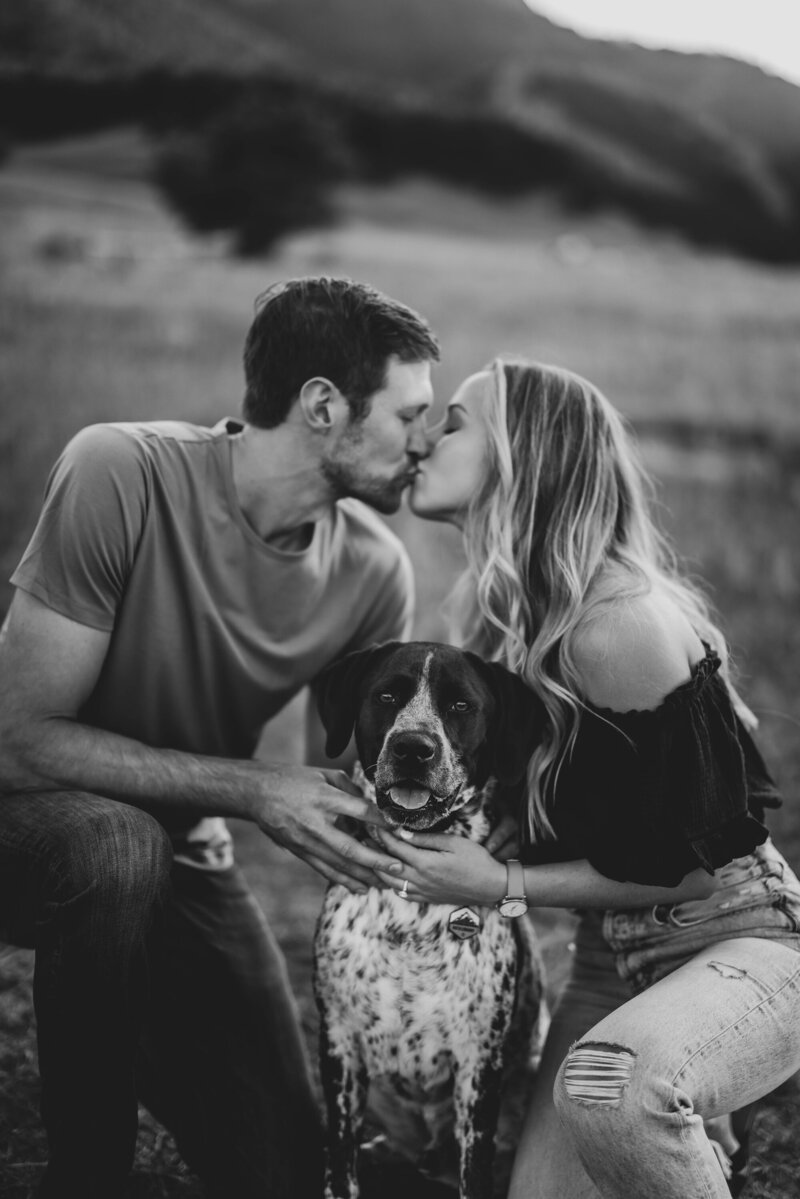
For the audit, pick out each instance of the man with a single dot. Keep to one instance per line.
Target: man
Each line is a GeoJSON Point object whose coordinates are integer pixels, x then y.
{"type": "Point", "coordinates": [182, 584]}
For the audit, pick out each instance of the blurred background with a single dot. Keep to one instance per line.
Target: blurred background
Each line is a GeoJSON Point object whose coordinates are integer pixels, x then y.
{"type": "Point", "coordinates": [617, 191]}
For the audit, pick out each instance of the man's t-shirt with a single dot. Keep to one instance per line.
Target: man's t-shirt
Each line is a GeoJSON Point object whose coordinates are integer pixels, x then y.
{"type": "Point", "coordinates": [213, 630]}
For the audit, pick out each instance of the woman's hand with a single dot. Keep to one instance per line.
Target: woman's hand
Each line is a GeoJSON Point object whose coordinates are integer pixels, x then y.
{"type": "Point", "coordinates": [441, 868]}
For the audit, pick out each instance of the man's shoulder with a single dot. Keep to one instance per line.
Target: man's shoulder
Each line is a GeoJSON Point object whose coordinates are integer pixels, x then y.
{"type": "Point", "coordinates": [133, 435]}
{"type": "Point", "coordinates": [124, 446]}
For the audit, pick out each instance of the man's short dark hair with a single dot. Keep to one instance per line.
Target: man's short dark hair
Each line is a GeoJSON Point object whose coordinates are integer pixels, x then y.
{"type": "Point", "coordinates": [331, 328]}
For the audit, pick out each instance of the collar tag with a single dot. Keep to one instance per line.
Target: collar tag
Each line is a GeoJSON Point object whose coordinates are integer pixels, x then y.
{"type": "Point", "coordinates": [464, 923]}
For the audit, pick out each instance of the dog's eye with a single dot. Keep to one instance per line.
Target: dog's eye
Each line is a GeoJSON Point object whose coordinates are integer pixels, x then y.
{"type": "Point", "coordinates": [460, 705]}
{"type": "Point", "coordinates": [386, 697]}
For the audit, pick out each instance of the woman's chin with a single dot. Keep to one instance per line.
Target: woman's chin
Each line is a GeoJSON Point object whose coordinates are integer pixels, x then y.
{"type": "Point", "coordinates": [420, 504]}
{"type": "Point", "coordinates": [426, 509]}
{"type": "Point", "coordinates": [419, 508]}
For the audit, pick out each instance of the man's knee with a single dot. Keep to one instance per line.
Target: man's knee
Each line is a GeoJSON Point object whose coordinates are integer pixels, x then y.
{"type": "Point", "coordinates": [109, 850]}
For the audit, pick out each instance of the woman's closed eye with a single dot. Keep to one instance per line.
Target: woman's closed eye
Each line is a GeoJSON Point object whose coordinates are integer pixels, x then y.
{"type": "Point", "coordinates": [452, 424]}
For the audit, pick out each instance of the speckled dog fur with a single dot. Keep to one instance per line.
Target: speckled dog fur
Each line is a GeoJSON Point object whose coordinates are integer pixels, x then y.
{"type": "Point", "coordinates": [403, 1002]}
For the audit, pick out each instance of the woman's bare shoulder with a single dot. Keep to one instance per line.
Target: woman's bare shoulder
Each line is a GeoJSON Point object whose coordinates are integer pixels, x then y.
{"type": "Point", "coordinates": [631, 652]}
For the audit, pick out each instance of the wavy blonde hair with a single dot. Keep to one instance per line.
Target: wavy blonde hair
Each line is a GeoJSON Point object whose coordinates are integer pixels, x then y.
{"type": "Point", "coordinates": [562, 498]}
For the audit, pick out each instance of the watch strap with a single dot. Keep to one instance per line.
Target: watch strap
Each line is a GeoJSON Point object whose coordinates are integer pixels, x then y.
{"type": "Point", "coordinates": [515, 880]}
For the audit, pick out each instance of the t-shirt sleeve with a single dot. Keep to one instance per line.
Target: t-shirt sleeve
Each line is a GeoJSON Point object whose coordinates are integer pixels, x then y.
{"type": "Point", "coordinates": [83, 546]}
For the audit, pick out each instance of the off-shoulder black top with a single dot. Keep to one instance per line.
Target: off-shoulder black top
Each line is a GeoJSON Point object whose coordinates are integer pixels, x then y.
{"type": "Point", "coordinates": [648, 796]}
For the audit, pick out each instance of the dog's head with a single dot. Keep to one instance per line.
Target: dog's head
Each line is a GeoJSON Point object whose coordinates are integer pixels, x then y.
{"type": "Point", "coordinates": [432, 724]}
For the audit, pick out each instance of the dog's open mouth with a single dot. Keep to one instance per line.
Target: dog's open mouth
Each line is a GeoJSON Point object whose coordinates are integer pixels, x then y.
{"type": "Point", "coordinates": [410, 796]}
{"type": "Point", "coordinates": [407, 801]}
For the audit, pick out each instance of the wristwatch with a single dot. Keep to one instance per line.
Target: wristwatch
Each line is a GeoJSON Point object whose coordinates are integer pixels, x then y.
{"type": "Point", "coordinates": [515, 901]}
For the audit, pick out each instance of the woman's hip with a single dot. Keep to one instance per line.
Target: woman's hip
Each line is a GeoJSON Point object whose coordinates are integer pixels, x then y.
{"type": "Point", "coordinates": [757, 896]}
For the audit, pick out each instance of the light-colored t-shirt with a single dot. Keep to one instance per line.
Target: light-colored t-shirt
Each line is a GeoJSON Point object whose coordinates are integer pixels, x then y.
{"type": "Point", "coordinates": [213, 630]}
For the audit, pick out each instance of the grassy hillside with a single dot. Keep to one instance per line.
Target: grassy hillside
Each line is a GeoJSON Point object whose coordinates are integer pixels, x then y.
{"type": "Point", "coordinates": [109, 310]}
{"type": "Point", "coordinates": [714, 150]}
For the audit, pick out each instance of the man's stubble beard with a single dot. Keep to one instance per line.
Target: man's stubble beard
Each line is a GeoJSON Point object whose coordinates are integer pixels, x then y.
{"type": "Point", "coordinates": [347, 480]}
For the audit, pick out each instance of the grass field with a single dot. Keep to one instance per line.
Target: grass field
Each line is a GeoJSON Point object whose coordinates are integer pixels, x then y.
{"type": "Point", "coordinates": [108, 310]}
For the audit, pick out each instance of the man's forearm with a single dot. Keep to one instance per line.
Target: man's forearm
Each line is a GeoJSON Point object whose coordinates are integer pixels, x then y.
{"type": "Point", "coordinates": [299, 807]}
{"type": "Point", "coordinates": [58, 754]}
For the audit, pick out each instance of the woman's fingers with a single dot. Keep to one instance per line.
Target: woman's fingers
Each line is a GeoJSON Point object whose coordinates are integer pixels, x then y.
{"type": "Point", "coordinates": [416, 841]}
{"type": "Point", "coordinates": [401, 886]}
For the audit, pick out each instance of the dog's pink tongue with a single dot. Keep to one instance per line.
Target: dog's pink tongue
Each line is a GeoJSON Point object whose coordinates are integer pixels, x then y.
{"type": "Point", "coordinates": [409, 797]}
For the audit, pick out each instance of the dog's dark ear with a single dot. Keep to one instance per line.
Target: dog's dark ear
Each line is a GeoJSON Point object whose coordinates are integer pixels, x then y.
{"type": "Point", "coordinates": [336, 690]}
{"type": "Point", "coordinates": [518, 721]}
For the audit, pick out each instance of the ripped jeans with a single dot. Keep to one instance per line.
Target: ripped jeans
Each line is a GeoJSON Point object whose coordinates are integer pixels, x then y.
{"type": "Point", "coordinates": [713, 1025]}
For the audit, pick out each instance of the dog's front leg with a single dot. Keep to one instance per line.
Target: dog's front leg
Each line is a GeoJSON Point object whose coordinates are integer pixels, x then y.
{"type": "Point", "coordinates": [344, 1084]}
{"type": "Point", "coordinates": [477, 1107]}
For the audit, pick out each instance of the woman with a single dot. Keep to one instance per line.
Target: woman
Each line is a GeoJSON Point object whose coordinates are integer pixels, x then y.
{"type": "Point", "coordinates": [645, 800]}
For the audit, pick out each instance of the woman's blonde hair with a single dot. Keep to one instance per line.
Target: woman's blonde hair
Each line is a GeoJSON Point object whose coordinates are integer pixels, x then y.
{"type": "Point", "coordinates": [563, 497]}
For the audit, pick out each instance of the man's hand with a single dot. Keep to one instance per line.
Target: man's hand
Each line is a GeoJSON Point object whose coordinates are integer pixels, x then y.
{"type": "Point", "coordinates": [301, 808]}
{"type": "Point", "coordinates": [49, 666]}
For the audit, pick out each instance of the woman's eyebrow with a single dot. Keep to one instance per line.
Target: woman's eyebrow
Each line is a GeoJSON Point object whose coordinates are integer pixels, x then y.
{"type": "Point", "coordinates": [454, 406]}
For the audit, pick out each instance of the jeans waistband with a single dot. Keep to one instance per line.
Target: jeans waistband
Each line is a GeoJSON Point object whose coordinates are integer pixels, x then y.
{"type": "Point", "coordinates": [756, 896]}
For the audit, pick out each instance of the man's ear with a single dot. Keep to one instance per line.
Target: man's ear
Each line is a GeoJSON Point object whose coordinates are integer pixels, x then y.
{"type": "Point", "coordinates": [337, 693]}
{"type": "Point", "coordinates": [518, 721]}
{"type": "Point", "coordinates": [319, 401]}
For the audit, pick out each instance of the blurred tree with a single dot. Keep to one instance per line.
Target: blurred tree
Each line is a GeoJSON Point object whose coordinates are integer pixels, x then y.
{"type": "Point", "coordinates": [263, 168]}
{"type": "Point", "coordinates": [465, 145]}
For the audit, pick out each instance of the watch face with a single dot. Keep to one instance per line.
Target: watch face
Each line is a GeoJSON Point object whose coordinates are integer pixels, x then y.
{"type": "Point", "coordinates": [513, 907]}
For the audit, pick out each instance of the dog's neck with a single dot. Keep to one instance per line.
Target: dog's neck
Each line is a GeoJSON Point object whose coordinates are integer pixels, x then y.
{"type": "Point", "coordinates": [474, 820]}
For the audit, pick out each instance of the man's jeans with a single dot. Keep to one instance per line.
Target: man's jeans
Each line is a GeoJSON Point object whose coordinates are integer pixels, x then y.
{"type": "Point", "coordinates": [715, 1025]}
{"type": "Point", "coordinates": [155, 982]}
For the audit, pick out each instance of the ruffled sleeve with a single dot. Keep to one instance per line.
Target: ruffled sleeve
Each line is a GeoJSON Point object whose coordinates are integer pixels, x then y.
{"type": "Point", "coordinates": [651, 795]}
{"type": "Point", "coordinates": [704, 768]}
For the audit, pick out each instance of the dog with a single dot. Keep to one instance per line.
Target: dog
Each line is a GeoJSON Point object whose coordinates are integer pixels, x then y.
{"type": "Point", "coordinates": [409, 1001]}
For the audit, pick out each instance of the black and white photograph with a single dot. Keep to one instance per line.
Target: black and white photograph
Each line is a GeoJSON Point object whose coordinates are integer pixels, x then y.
{"type": "Point", "coordinates": [400, 599]}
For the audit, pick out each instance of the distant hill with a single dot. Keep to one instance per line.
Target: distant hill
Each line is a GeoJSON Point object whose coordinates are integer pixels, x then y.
{"type": "Point", "coordinates": [673, 129]}
{"type": "Point", "coordinates": [439, 47]}
{"type": "Point", "coordinates": [79, 37]}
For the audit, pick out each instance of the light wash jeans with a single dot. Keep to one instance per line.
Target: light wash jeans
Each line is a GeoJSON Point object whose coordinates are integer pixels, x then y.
{"type": "Point", "coordinates": [714, 1025]}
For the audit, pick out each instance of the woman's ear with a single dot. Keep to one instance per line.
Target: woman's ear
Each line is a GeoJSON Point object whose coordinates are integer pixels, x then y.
{"type": "Point", "coordinates": [337, 693]}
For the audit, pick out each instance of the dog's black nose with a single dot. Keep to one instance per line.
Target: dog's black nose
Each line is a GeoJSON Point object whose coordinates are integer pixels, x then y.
{"type": "Point", "coordinates": [413, 747]}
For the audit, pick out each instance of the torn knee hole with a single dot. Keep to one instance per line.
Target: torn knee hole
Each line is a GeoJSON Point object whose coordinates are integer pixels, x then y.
{"type": "Point", "coordinates": [597, 1073]}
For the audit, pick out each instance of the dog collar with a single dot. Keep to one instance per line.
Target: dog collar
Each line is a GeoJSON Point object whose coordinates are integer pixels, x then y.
{"type": "Point", "coordinates": [463, 923]}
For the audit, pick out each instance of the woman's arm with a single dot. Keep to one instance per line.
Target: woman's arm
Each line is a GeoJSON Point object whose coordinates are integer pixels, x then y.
{"type": "Point", "coordinates": [441, 868]}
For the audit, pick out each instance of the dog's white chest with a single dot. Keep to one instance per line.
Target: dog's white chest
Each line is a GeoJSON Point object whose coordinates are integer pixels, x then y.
{"type": "Point", "coordinates": [404, 988]}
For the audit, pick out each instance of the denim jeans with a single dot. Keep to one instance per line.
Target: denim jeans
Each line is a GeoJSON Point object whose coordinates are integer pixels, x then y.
{"type": "Point", "coordinates": [159, 983]}
{"type": "Point", "coordinates": [672, 1015]}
